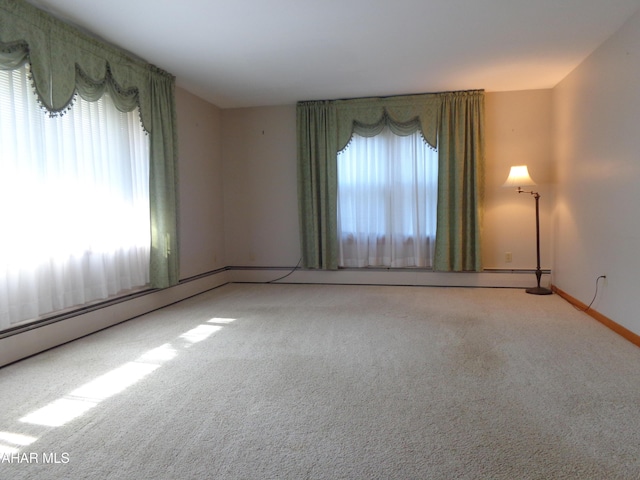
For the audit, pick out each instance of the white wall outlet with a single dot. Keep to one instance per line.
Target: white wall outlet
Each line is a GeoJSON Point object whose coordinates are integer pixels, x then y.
{"type": "Point", "coordinates": [508, 257]}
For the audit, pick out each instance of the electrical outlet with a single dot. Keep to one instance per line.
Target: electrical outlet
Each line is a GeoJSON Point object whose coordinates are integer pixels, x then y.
{"type": "Point", "coordinates": [508, 257]}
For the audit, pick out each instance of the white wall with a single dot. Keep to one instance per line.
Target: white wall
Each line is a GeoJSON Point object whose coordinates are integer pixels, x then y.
{"type": "Point", "coordinates": [597, 214]}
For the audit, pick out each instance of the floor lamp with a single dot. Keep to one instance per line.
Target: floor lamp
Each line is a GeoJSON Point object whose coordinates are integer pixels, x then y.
{"type": "Point", "coordinates": [519, 177]}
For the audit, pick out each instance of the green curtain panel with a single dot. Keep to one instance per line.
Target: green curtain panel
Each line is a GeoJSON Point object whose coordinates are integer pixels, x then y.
{"type": "Point", "coordinates": [317, 183]}
{"type": "Point", "coordinates": [460, 182]}
{"type": "Point", "coordinates": [163, 180]}
{"type": "Point", "coordinates": [453, 122]}
{"type": "Point", "coordinates": [65, 61]}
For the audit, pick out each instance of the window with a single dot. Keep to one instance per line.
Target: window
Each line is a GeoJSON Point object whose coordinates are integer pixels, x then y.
{"type": "Point", "coordinates": [74, 202]}
{"type": "Point", "coordinates": [387, 200]}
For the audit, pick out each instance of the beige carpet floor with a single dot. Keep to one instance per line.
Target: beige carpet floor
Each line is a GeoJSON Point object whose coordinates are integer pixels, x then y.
{"type": "Point", "coordinates": [331, 382]}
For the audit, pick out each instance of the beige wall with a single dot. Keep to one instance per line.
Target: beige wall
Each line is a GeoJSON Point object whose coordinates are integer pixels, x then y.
{"type": "Point", "coordinates": [596, 219]}
{"type": "Point", "coordinates": [260, 189]}
{"type": "Point", "coordinates": [200, 186]}
{"type": "Point", "coordinates": [261, 219]}
{"type": "Point", "coordinates": [518, 132]}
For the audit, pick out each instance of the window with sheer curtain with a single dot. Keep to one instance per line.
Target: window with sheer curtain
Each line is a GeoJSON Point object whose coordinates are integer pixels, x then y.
{"type": "Point", "coordinates": [387, 201]}
{"type": "Point", "coordinates": [74, 202]}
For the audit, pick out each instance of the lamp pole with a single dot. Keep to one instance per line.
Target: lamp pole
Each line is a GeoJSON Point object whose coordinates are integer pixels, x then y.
{"type": "Point", "coordinates": [538, 290]}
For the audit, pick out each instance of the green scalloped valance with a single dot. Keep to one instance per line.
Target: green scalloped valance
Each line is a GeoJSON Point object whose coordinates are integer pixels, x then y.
{"type": "Point", "coordinates": [404, 115]}
{"type": "Point", "coordinates": [56, 51]}
{"type": "Point", "coordinates": [65, 61]}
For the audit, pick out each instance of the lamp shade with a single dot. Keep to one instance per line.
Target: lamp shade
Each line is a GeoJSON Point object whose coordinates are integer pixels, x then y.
{"type": "Point", "coordinates": [519, 177]}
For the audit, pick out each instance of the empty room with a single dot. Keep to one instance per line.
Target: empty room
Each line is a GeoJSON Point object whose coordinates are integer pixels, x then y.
{"type": "Point", "coordinates": [321, 240]}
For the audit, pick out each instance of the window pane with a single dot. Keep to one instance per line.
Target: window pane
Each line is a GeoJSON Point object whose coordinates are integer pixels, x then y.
{"type": "Point", "coordinates": [387, 198]}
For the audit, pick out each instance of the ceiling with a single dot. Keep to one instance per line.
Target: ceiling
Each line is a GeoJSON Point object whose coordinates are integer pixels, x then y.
{"type": "Point", "coordinates": [243, 53]}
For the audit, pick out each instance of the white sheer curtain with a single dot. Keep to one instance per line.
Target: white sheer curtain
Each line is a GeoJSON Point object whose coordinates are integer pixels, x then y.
{"type": "Point", "coordinates": [387, 199]}
{"type": "Point", "coordinates": [74, 203]}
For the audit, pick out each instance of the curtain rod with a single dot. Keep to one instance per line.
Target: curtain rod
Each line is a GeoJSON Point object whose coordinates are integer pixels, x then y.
{"type": "Point", "coordinates": [403, 95]}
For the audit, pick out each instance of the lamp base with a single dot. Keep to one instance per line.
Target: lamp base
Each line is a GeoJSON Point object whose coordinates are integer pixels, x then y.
{"type": "Point", "coordinates": [538, 291]}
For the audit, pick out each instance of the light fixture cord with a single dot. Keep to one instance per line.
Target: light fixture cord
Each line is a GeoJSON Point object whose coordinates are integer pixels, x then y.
{"type": "Point", "coordinates": [595, 294]}
{"type": "Point", "coordinates": [285, 276]}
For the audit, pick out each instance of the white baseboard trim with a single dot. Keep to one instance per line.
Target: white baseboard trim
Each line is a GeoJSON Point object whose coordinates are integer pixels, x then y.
{"type": "Point", "coordinates": [488, 279]}
{"type": "Point", "coordinates": [43, 336]}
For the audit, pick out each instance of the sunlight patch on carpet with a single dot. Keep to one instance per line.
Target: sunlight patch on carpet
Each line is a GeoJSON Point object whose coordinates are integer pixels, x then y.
{"type": "Point", "coordinates": [161, 354]}
{"type": "Point", "coordinates": [10, 442]}
{"type": "Point", "coordinates": [59, 412]}
{"type": "Point", "coordinates": [223, 321]}
{"type": "Point", "coordinates": [79, 401]}
{"type": "Point", "coordinates": [200, 333]}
